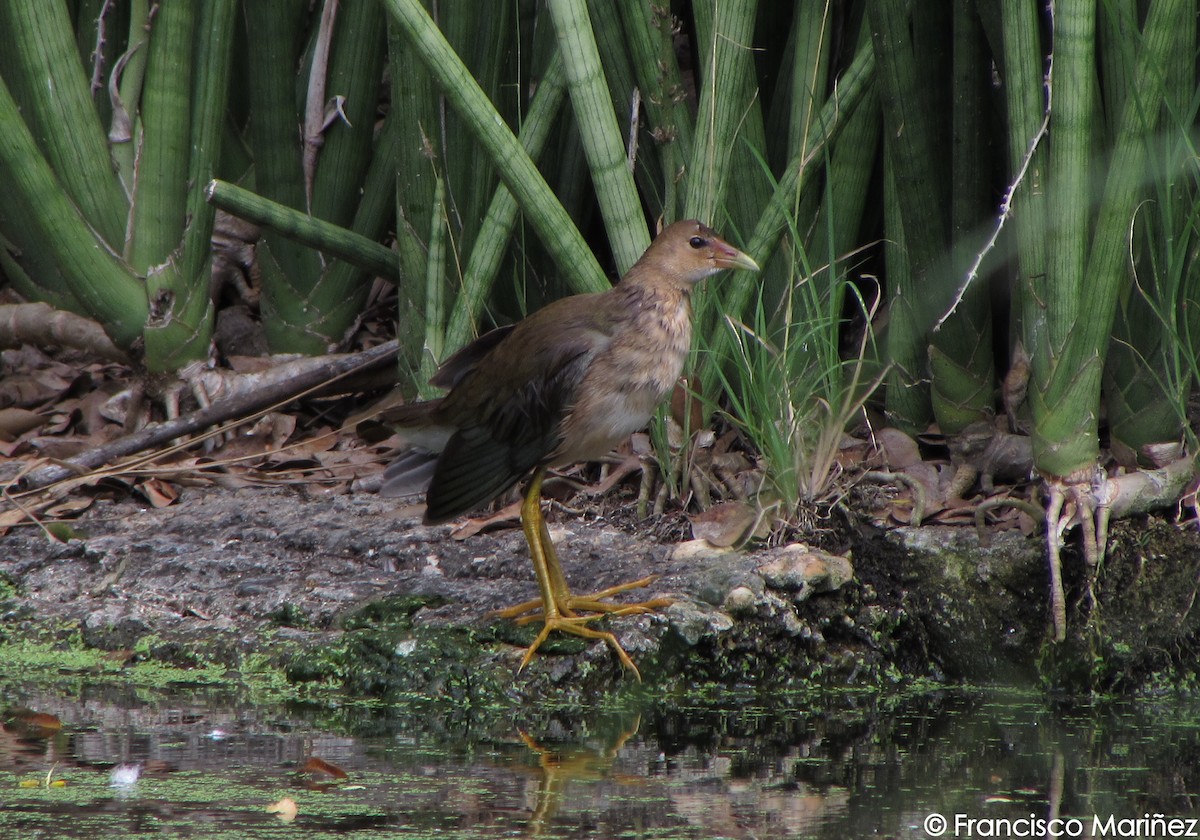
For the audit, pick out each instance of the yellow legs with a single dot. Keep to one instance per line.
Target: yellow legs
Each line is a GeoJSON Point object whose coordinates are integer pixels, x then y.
{"type": "Point", "coordinates": [557, 607]}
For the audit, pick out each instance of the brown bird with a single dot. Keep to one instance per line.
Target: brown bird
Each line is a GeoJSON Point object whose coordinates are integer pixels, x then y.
{"type": "Point", "coordinates": [566, 384]}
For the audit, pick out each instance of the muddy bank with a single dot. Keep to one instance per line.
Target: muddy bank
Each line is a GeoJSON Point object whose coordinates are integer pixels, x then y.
{"type": "Point", "coordinates": [353, 589]}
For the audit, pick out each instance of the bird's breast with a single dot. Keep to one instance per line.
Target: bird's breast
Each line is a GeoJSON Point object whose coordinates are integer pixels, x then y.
{"type": "Point", "coordinates": [627, 381]}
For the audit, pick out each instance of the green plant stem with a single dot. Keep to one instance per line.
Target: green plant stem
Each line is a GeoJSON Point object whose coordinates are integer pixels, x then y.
{"type": "Point", "coordinates": [615, 190]}
{"type": "Point", "coordinates": [435, 294]}
{"type": "Point", "coordinates": [492, 241]}
{"type": "Point", "coordinates": [648, 31]}
{"type": "Point", "coordinates": [355, 66]}
{"type": "Point", "coordinates": [555, 228]}
{"type": "Point", "coordinates": [962, 372]}
{"type": "Point", "coordinates": [97, 278]}
{"type": "Point", "coordinates": [1065, 381]}
{"type": "Point", "coordinates": [44, 74]}
{"type": "Point", "coordinates": [304, 229]}
{"type": "Point", "coordinates": [851, 91]}
{"type": "Point", "coordinates": [1025, 104]}
{"type": "Point", "coordinates": [181, 329]}
{"type": "Point", "coordinates": [910, 131]}
{"type": "Point", "coordinates": [162, 135]}
{"type": "Point", "coordinates": [128, 92]}
{"type": "Point", "coordinates": [725, 83]}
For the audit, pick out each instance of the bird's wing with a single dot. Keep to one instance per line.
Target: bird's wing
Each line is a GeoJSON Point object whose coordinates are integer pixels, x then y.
{"type": "Point", "coordinates": [508, 415]}
{"type": "Point", "coordinates": [467, 359]}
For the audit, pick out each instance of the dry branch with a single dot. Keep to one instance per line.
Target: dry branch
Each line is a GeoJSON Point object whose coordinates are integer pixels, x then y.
{"type": "Point", "coordinates": [239, 406]}
{"type": "Point", "coordinates": [42, 325]}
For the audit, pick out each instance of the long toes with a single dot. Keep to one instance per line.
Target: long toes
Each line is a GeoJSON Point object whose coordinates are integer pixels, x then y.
{"type": "Point", "coordinates": [518, 610]}
{"type": "Point", "coordinates": [586, 603]}
{"type": "Point", "coordinates": [577, 626]}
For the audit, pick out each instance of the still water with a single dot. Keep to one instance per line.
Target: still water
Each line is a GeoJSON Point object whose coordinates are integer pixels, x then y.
{"type": "Point", "coordinates": [989, 762]}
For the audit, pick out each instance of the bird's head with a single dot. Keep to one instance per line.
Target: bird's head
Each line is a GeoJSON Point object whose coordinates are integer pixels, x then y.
{"type": "Point", "coordinates": [691, 251]}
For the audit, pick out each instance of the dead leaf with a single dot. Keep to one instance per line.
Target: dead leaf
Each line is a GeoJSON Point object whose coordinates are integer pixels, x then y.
{"type": "Point", "coordinates": [617, 472]}
{"type": "Point", "coordinates": [322, 442]}
{"type": "Point", "coordinates": [285, 809]}
{"type": "Point", "coordinates": [319, 765]}
{"type": "Point", "coordinates": [899, 450]}
{"type": "Point", "coordinates": [725, 524]}
{"type": "Point", "coordinates": [71, 506]}
{"type": "Point", "coordinates": [32, 724]}
{"type": "Point", "coordinates": [686, 408]}
{"type": "Point", "coordinates": [507, 515]}
{"type": "Point", "coordinates": [15, 422]}
{"type": "Point", "coordinates": [17, 516]}
{"type": "Point", "coordinates": [158, 493]}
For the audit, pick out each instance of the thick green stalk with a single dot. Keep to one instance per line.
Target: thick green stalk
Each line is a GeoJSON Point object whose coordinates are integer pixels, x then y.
{"type": "Point", "coordinates": [163, 135]}
{"type": "Point", "coordinates": [492, 242]}
{"type": "Point", "coordinates": [1067, 392]}
{"type": "Point", "coordinates": [809, 73]}
{"type": "Point", "coordinates": [798, 97]}
{"type": "Point", "coordinates": [849, 94]}
{"type": "Point", "coordinates": [303, 229]}
{"type": "Point", "coordinates": [616, 59]}
{"type": "Point", "coordinates": [309, 303]}
{"type": "Point", "coordinates": [1065, 381]}
{"type": "Point", "coordinates": [1024, 100]}
{"type": "Point", "coordinates": [97, 278]}
{"type": "Point", "coordinates": [725, 80]}
{"type": "Point", "coordinates": [1107, 257]}
{"type": "Point", "coordinates": [435, 294]}
{"type": "Point", "coordinates": [1071, 155]}
{"type": "Point", "coordinates": [129, 92]}
{"type": "Point", "coordinates": [901, 290]}
{"type": "Point", "coordinates": [484, 44]}
{"type": "Point", "coordinates": [739, 122]}
{"type": "Point", "coordinates": [962, 372]}
{"type": "Point", "coordinates": [615, 189]}
{"type": "Point", "coordinates": [847, 184]}
{"type": "Point", "coordinates": [570, 169]}
{"type": "Point", "coordinates": [911, 137]}
{"type": "Point", "coordinates": [738, 288]}
{"type": "Point", "coordinates": [355, 67]}
{"type": "Point", "coordinates": [1117, 54]}
{"type": "Point", "coordinates": [181, 327]}
{"type": "Point", "coordinates": [20, 266]}
{"type": "Point", "coordinates": [180, 322]}
{"type": "Point", "coordinates": [648, 31]}
{"type": "Point", "coordinates": [795, 109]}
{"type": "Point", "coordinates": [215, 45]}
{"type": "Point", "coordinates": [555, 228]}
{"type": "Point", "coordinates": [342, 288]}
{"type": "Point", "coordinates": [42, 68]}
{"type": "Point", "coordinates": [275, 31]}
{"type": "Point", "coordinates": [332, 299]}
{"type": "Point", "coordinates": [1148, 370]}
{"type": "Point", "coordinates": [731, 129]}
{"type": "Point", "coordinates": [414, 104]}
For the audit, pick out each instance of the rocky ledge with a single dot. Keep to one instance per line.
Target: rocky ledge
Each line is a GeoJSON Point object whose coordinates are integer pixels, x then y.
{"type": "Point", "coordinates": [353, 589]}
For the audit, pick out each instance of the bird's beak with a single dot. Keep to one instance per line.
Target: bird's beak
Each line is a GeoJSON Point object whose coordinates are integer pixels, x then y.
{"type": "Point", "coordinates": [726, 256]}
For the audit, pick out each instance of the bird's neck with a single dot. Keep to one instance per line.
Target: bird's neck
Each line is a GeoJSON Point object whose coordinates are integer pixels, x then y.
{"type": "Point", "coordinates": [659, 314]}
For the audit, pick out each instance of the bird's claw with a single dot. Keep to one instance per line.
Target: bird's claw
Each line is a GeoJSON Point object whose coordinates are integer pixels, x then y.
{"type": "Point", "coordinates": [568, 605]}
{"type": "Point", "coordinates": [571, 614]}
{"type": "Point", "coordinates": [576, 626]}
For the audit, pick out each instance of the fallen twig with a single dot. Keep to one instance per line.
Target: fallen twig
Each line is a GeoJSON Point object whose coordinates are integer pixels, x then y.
{"type": "Point", "coordinates": [242, 406]}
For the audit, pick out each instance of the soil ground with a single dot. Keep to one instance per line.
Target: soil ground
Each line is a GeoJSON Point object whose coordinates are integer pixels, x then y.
{"type": "Point", "coordinates": [224, 572]}
{"type": "Point", "coordinates": [353, 589]}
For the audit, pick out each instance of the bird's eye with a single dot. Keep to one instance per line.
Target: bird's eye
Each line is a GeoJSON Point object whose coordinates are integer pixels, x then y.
{"type": "Point", "coordinates": [697, 242]}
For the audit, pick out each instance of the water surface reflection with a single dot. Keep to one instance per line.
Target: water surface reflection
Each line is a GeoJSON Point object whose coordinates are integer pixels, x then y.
{"type": "Point", "coordinates": [844, 766]}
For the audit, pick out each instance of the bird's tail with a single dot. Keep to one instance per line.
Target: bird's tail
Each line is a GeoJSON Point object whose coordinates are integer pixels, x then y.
{"type": "Point", "coordinates": [409, 474]}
